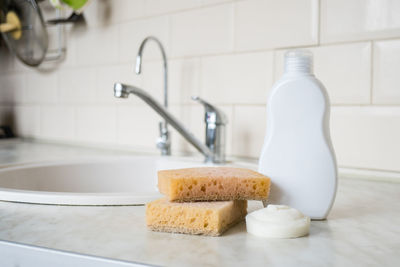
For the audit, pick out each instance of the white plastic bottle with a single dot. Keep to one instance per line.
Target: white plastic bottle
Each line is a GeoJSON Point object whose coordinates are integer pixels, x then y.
{"type": "Point", "coordinates": [297, 152]}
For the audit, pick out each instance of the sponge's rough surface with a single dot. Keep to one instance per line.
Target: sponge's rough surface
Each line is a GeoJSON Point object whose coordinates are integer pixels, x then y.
{"type": "Point", "coordinates": [199, 218]}
{"type": "Point", "coordinates": [213, 183]}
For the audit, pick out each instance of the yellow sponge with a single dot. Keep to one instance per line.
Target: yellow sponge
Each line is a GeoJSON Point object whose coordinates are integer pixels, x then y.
{"type": "Point", "coordinates": [208, 218]}
{"type": "Point", "coordinates": [213, 183]}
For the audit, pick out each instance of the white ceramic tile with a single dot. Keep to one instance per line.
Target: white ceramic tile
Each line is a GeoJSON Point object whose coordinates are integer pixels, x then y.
{"type": "Point", "coordinates": [213, 2]}
{"type": "Point", "coordinates": [96, 124]}
{"type": "Point", "coordinates": [27, 121]}
{"type": "Point", "coordinates": [241, 78]}
{"type": "Point", "coordinates": [137, 126]}
{"type": "Point", "coordinates": [57, 122]}
{"type": "Point", "coordinates": [192, 117]}
{"type": "Point", "coordinates": [202, 31]}
{"type": "Point", "coordinates": [263, 24]}
{"type": "Point", "coordinates": [12, 88]}
{"type": "Point", "coordinates": [107, 76]}
{"type": "Point", "coordinates": [249, 126]}
{"type": "Point", "coordinates": [97, 45]}
{"type": "Point", "coordinates": [76, 85]}
{"type": "Point", "coordinates": [154, 7]}
{"type": "Point", "coordinates": [107, 12]}
{"type": "Point", "coordinates": [386, 78]}
{"type": "Point", "coordinates": [367, 137]}
{"type": "Point", "coordinates": [126, 10]}
{"type": "Point", "coordinates": [184, 79]}
{"type": "Point", "coordinates": [345, 70]}
{"type": "Point", "coordinates": [152, 76]}
{"type": "Point", "coordinates": [343, 20]}
{"type": "Point", "coordinates": [41, 87]}
{"type": "Point", "coordinates": [133, 33]}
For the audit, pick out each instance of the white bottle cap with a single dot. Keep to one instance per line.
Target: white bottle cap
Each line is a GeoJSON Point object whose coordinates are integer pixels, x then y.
{"type": "Point", "coordinates": [299, 61]}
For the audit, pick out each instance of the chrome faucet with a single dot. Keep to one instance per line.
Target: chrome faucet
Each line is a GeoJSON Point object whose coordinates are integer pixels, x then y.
{"type": "Point", "coordinates": [215, 121]}
{"type": "Point", "coordinates": [163, 142]}
{"type": "Point", "coordinates": [214, 149]}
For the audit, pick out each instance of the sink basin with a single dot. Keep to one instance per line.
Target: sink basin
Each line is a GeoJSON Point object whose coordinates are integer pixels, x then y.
{"type": "Point", "coordinates": [104, 181]}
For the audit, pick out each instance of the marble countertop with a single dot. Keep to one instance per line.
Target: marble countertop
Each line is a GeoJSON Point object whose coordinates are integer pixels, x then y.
{"type": "Point", "coordinates": [362, 229]}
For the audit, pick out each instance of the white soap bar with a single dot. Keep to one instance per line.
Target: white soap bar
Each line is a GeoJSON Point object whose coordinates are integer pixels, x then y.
{"type": "Point", "coordinates": [277, 221]}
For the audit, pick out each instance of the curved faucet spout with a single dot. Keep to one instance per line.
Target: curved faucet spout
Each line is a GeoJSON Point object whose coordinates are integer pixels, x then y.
{"type": "Point", "coordinates": [164, 56]}
{"type": "Point", "coordinates": [123, 91]}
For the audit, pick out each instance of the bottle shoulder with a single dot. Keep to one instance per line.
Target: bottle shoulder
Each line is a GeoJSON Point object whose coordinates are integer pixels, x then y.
{"type": "Point", "coordinates": [291, 79]}
{"type": "Point", "coordinates": [297, 83]}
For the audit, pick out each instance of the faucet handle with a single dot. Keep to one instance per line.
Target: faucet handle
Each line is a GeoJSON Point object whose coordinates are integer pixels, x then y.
{"type": "Point", "coordinates": [213, 114]}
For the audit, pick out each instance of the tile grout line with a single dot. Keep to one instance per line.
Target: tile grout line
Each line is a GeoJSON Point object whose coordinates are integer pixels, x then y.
{"type": "Point", "coordinates": [371, 88]}
{"type": "Point", "coordinates": [75, 124]}
{"type": "Point", "coordinates": [319, 22]}
{"type": "Point", "coordinates": [234, 23]}
{"type": "Point", "coordinates": [233, 129]}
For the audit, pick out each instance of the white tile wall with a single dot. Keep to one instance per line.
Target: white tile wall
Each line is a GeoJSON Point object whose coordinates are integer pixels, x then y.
{"type": "Point", "coordinates": [132, 34]}
{"type": "Point", "coordinates": [100, 13]}
{"type": "Point", "coordinates": [211, 2]}
{"type": "Point", "coordinates": [249, 126]}
{"type": "Point", "coordinates": [57, 122]}
{"type": "Point", "coordinates": [350, 20]}
{"type": "Point", "coordinates": [27, 120]}
{"type": "Point", "coordinates": [220, 86]}
{"type": "Point", "coordinates": [76, 85]}
{"type": "Point", "coordinates": [153, 79]}
{"type": "Point", "coordinates": [229, 52]}
{"type": "Point", "coordinates": [184, 80]}
{"type": "Point", "coordinates": [266, 24]}
{"type": "Point", "coordinates": [386, 88]}
{"type": "Point", "coordinates": [193, 118]}
{"type": "Point", "coordinates": [136, 129]}
{"type": "Point", "coordinates": [41, 88]}
{"type": "Point", "coordinates": [202, 31]}
{"type": "Point", "coordinates": [154, 7]}
{"type": "Point", "coordinates": [97, 46]}
{"type": "Point", "coordinates": [12, 87]}
{"type": "Point", "coordinates": [96, 124]}
{"type": "Point", "coordinates": [367, 137]}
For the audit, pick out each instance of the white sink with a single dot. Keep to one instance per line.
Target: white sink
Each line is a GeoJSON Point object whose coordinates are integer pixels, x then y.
{"type": "Point", "coordinates": [108, 181]}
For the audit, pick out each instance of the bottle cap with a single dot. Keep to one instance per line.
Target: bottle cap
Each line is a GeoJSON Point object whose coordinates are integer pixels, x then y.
{"type": "Point", "coordinates": [299, 60]}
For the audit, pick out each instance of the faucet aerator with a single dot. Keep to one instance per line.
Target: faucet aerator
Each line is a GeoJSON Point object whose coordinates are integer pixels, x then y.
{"type": "Point", "coordinates": [120, 91]}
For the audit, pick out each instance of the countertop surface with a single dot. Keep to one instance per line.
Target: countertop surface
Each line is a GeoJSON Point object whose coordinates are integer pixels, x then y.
{"type": "Point", "coordinates": [361, 230]}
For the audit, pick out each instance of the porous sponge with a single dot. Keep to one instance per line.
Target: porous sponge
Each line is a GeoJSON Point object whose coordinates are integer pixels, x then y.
{"type": "Point", "coordinates": [213, 183]}
{"type": "Point", "coordinates": [206, 218]}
